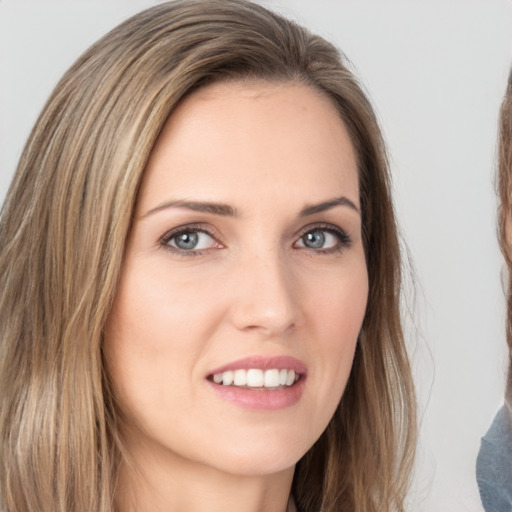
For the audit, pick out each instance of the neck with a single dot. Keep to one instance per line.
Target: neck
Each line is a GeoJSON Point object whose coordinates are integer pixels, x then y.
{"type": "Point", "coordinates": [175, 485]}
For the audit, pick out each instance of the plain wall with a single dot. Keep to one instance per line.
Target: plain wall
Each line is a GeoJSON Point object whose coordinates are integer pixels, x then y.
{"type": "Point", "coordinates": [436, 72]}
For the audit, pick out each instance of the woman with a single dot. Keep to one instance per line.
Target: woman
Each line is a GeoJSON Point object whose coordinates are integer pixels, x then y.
{"type": "Point", "coordinates": [202, 279]}
{"type": "Point", "coordinates": [494, 463]}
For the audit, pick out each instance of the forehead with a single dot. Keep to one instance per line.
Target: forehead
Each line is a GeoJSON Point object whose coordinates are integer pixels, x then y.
{"type": "Point", "coordinates": [244, 134]}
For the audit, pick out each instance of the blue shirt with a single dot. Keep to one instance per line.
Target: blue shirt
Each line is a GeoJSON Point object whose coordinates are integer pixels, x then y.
{"type": "Point", "coordinates": [494, 464]}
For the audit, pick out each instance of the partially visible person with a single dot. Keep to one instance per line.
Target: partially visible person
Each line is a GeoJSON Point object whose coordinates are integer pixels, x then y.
{"type": "Point", "coordinates": [494, 463]}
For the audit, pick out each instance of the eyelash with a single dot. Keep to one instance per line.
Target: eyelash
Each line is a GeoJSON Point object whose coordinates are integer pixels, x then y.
{"type": "Point", "coordinates": [190, 228]}
{"type": "Point", "coordinates": [344, 240]}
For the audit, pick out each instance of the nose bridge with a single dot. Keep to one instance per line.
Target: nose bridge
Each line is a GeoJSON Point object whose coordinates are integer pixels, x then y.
{"type": "Point", "coordinates": [265, 297]}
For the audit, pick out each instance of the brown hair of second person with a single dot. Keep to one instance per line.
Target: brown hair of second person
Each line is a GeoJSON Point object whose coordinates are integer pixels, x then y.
{"type": "Point", "coordinates": [504, 191]}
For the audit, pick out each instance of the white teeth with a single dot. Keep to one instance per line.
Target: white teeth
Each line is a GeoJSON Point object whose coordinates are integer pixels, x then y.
{"type": "Point", "coordinates": [257, 378]}
{"type": "Point", "coordinates": [226, 378]}
{"type": "Point", "coordinates": [240, 378]}
{"type": "Point", "coordinates": [271, 378]}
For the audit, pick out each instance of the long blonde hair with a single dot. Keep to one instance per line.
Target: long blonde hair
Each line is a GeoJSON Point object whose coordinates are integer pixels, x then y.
{"type": "Point", "coordinates": [63, 230]}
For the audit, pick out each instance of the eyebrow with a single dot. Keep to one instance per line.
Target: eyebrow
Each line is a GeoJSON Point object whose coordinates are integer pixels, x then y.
{"type": "Point", "coordinates": [228, 211]}
{"type": "Point", "coordinates": [197, 206]}
{"type": "Point", "coordinates": [327, 205]}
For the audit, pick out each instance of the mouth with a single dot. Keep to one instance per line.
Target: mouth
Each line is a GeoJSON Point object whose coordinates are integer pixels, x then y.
{"type": "Point", "coordinates": [260, 383]}
{"type": "Point", "coordinates": [272, 379]}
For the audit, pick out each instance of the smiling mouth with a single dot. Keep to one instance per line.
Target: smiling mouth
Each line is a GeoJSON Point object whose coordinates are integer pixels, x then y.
{"type": "Point", "coordinates": [255, 378]}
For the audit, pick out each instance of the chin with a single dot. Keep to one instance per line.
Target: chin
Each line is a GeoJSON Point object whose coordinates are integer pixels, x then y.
{"type": "Point", "coordinates": [269, 464]}
{"type": "Point", "coordinates": [262, 454]}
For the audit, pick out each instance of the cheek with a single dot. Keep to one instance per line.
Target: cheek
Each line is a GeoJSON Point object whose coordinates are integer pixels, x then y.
{"type": "Point", "coordinates": [155, 314]}
{"type": "Point", "coordinates": [338, 316]}
{"type": "Point", "coordinates": [335, 314]}
{"type": "Point", "coordinates": [153, 337]}
{"type": "Point", "coordinates": [340, 305]}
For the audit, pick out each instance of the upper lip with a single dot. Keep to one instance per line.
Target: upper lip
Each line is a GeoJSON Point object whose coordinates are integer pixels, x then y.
{"type": "Point", "coordinates": [264, 363]}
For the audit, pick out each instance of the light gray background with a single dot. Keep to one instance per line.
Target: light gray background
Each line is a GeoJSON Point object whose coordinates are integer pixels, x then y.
{"type": "Point", "coordinates": [436, 72]}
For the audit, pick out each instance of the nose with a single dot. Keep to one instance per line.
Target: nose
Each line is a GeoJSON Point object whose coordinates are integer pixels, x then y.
{"type": "Point", "coordinates": [266, 296]}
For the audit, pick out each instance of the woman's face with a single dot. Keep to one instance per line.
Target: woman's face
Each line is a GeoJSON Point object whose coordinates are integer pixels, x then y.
{"type": "Point", "coordinates": [244, 283]}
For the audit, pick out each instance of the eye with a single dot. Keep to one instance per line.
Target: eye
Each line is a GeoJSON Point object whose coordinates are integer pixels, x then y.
{"type": "Point", "coordinates": [324, 239]}
{"type": "Point", "coordinates": [189, 240]}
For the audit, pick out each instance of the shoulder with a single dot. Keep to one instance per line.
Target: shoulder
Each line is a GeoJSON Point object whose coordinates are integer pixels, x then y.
{"type": "Point", "coordinates": [494, 464]}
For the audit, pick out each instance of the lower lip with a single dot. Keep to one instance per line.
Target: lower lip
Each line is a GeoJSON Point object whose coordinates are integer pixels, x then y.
{"type": "Point", "coordinates": [261, 399]}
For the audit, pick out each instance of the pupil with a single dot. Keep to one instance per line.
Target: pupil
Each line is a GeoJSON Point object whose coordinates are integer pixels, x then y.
{"type": "Point", "coordinates": [314, 239]}
{"type": "Point", "coordinates": [186, 240]}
